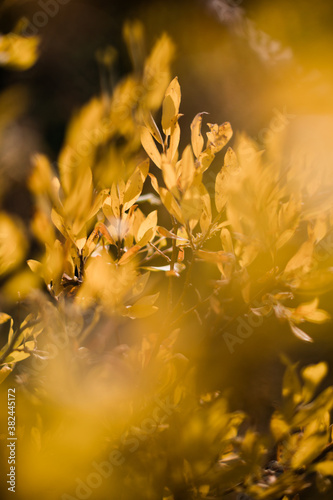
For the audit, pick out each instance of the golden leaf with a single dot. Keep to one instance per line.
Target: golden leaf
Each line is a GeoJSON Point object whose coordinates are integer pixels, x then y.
{"type": "Point", "coordinates": [187, 169]}
{"type": "Point", "coordinates": [156, 75]}
{"type": "Point", "coordinates": [154, 183]}
{"type": "Point", "coordinates": [192, 204]}
{"type": "Point", "coordinates": [12, 244]}
{"type": "Point", "coordinates": [147, 229]}
{"type": "Point", "coordinates": [218, 136]}
{"type": "Point", "coordinates": [324, 468]}
{"type": "Point", "coordinates": [153, 128]}
{"type": "Point", "coordinates": [169, 176]}
{"type": "Point", "coordinates": [143, 307]}
{"type": "Point", "coordinates": [196, 137]}
{"type": "Point", "coordinates": [171, 205]}
{"type": "Point", "coordinates": [206, 215]}
{"type": "Point", "coordinates": [129, 254]}
{"type": "Point", "coordinates": [172, 151]}
{"type": "Point", "coordinates": [302, 259]}
{"type": "Point", "coordinates": [205, 160]}
{"type": "Point", "coordinates": [4, 372]}
{"type": "Point", "coordinates": [150, 147]}
{"type": "Point", "coordinates": [168, 234]}
{"type": "Point", "coordinates": [171, 103]}
{"type": "Point", "coordinates": [229, 169]}
{"type": "Point", "coordinates": [312, 376]}
{"type": "Point", "coordinates": [18, 52]}
{"type": "Point", "coordinates": [213, 257]}
{"type": "Point", "coordinates": [4, 318]}
{"type": "Point", "coordinates": [134, 184]}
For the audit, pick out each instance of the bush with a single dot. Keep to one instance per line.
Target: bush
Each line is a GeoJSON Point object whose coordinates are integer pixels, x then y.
{"type": "Point", "coordinates": [143, 260]}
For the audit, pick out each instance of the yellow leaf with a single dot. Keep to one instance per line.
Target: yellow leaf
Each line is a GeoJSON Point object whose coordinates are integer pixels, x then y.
{"type": "Point", "coordinates": [12, 244]}
{"type": "Point", "coordinates": [171, 105]}
{"type": "Point", "coordinates": [101, 228]}
{"type": "Point", "coordinates": [230, 161]}
{"type": "Point", "coordinates": [43, 228]}
{"type": "Point", "coordinates": [324, 468]}
{"type": "Point", "coordinates": [169, 176]}
{"type": "Point", "coordinates": [16, 356]}
{"type": "Point", "coordinates": [40, 180]}
{"type": "Point", "coordinates": [177, 268]}
{"type": "Point", "coordinates": [18, 52]}
{"type": "Point", "coordinates": [229, 169]}
{"type": "Point", "coordinates": [319, 316]}
{"type": "Point", "coordinates": [21, 285]}
{"type": "Point", "coordinates": [143, 307]}
{"type": "Point", "coordinates": [134, 184]}
{"type": "Point", "coordinates": [59, 223]}
{"type": "Point", "coordinates": [84, 135]}
{"type": "Point", "coordinates": [205, 159]}
{"type": "Point", "coordinates": [168, 234]}
{"type": "Point", "coordinates": [218, 136]}
{"type": "Point", "coordinates": [312, 376]}
{"type": "Point", "coordinates": [302, 259]}
{"type": "Point", "coordinates": [153, 128]}
{"type": "Point", "coordinates": [279, 426]}
{"type": "Point", "coordinates": [226, 240]}
{"type": "Point", "coordinates": [115, 202]}
{"type": "Point", "coordinates": [204, 490]}
{"type": "Point", "coordinates": [4, 318]}
{"type": "Point", "coordinates": [213, 257]}
{"type": "Point", "coordinates": [156, 75]}
{"type": "Point", "coordinates": [129, 254]}
{"type": "Point", "coordinates": [4, 372]}
{"type": "Point", "coordinates": [308, 449]}
{"type": "Point", "coordinates": [148, 224]}
{"type": "Point", "coordinates": [307, 307]}
{"type": "Point", "coordinates": [133, 33]}
{"type": "Point", "coordinates": [154, 183]}
{"type": "Point", "coordinates": [196, 136]}
{"type": "Point", "coordinates": [78, 202]}
{"type": "Point", "coordinates": [172, 152]}
{"type": "Point", "coordinates": [35, 266]}
{"type": "Point", "coordinates": [192, 204]}
{"type": "Point", "coordinates": [206, 215]}
{"type": "Point", "coordinates": [187, 169]}
{"type": "Point", "coordinates": [309, 312]}
{"type": "Point", "coordinates": [150, 147]}
{"type": "Point", "coordinates": [171, 205]}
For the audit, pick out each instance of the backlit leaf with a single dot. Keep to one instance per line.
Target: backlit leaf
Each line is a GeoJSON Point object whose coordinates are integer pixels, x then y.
{"type": "Point", "coordinates": [171, 105]}
{"type": "Point", "coordinates": [4, 318]}
{"type": "Point", "coordinates": [196, 136]}
{"type": "Point", "coordinates": [218, 136]}
{"type": "Point", "coordinates": [134, 184]}
{"type": "Point", "coordinates": [187, 169]}
{"type": "Point", "coordinates": [169, 176]}
{"type": "Point", "coordinates": [149, 224]}
{"type": "Point", "coordinates": [299, 333]}
{"type": "Point", "coordinates": [143, 307]}
{"type": "Point", "coordinates": [150, 147]}
{"type": "Point", "coordinates": [18, 52]}
{"type": "Point", "coordinates": [171, 205]}
{"type": "Point", "coordinates": [312, 376]}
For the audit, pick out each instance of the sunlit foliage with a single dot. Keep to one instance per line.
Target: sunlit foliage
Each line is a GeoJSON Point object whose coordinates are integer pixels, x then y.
{"type": "Point", "coordinates": [125, 221]}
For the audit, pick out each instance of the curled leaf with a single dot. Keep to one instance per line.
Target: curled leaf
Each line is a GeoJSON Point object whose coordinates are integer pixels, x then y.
{"type": "Point", "coordinates": [196, 136]}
